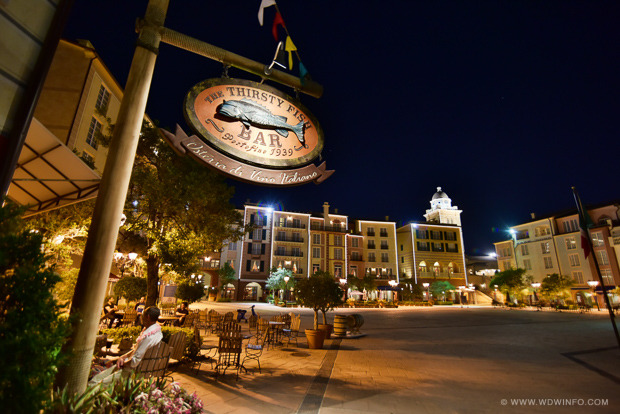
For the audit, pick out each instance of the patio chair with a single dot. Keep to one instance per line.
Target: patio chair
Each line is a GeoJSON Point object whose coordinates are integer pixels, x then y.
{"type": "Point", "coordinates": [155, 361]}
{"type": "Point", "coordinates": [215, 320]}
{"type": "Point", "coordinates": [129, 319]}
{"type": "Point", "coordinates": [188, 322]}
{"type": "Point", "coordinates": [229, 352]}
{"type": "Point", "coordinates": [199, 358]}
{"type": "Point", "coordinates": [231, 326]}
{"type": "Point", "coordinates": [229, 317]}
{"type": "Point", "coordinates": [253, 351]}
{"type": "Point", "coordinates": [253, 323]}
{"type": "Point", "coordinates": [203, 320]}
{"type": "Point", "coordinates": [262, 331]}
{"type": "Point", "coordinates": [177, 344]}
{"type": "Point", "coordinates": [293, 331]}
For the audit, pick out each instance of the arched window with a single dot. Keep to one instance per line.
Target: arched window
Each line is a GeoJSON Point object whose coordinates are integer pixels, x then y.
{"type": "Point", "coordinates": [453, 268]}
{"type": "Point", "coordinates": [422, 266]}
{"type": "Point", "coordinates": [436, 268]}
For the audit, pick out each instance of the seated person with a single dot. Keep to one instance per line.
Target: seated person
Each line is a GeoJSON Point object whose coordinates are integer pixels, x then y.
{"type": "Point", "coordinates": [140, 306]}
{"type": "Point", "coordinates": [181, 313]}
{"type": "Point", "coordinates": [110, 310]}
{"type": "Point", "coordinates": [150, 335]}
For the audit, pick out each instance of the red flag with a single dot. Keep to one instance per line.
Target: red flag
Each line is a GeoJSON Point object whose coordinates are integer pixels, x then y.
{"type": "Point", "coordinates": [276, 21]}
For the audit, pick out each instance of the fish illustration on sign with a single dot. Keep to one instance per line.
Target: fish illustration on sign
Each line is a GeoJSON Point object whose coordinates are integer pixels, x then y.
{"type": "Point", "coordinates": [251, 113]}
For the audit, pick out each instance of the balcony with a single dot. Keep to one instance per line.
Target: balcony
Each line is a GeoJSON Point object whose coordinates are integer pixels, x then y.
{"type": "Point", "coordinates": [384, 247]}
{"type": "Point", "coordinates": [287, 225]}
{"type": "Point", "coordinates": [290, 239]}
{"type": "Point", "coordinates": [383, 234]}
{"type": "Point", "coordinates": [288, 253]}
{"type": "Point", "coordinates": [370, 234]}
{"type": "Point", "coordinates": [336, 229]}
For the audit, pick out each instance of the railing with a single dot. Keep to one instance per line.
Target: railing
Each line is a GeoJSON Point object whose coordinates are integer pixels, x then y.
{"type": "Point", "coordinates": [337, 229]}
{"type": "Point", "coordinates": [383, 234]}
{"type": "Point", "coordinates": [290, 225]}
{"type": "Point", "coordinates": [370, 234]}
{"type": "Point", "coordinates": [288, 253]}
{"type": "Point", "coordinates": [289, 239]}
{"type": "Point", "coordinates": [384, 247]}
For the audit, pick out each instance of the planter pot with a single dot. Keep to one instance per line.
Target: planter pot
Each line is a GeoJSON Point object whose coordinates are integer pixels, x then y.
{"type": "Point", "coordinates": [328, 328]}
{"type": "Point", "coordinates": [315, 338]}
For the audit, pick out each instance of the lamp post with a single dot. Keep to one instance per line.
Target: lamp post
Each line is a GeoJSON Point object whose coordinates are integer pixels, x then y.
{"type": "Point", "coordinates": [343, 282]}
{"type": "Point", "coordinates": [593, 284]}
{"type": "Point", "coordinates": [426, 285]}
{"type": "Point", "coordinates": [286, 279]}
{"type": "Point", "coordinates": [535, 286]}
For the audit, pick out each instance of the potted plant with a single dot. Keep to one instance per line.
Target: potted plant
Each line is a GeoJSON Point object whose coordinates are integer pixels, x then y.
{"type": "Point", "coordinates": [318, 292]}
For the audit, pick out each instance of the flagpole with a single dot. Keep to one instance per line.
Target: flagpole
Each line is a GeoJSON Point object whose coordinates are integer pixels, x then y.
{"type": "Point", "coordinates": [582, 216]}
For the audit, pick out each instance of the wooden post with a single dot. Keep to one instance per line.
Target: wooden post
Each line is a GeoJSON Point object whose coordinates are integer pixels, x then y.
{"type": "Point", "coordinates": [93, 277]}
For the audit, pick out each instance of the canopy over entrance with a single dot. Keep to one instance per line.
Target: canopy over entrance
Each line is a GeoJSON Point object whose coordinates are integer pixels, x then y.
{"type": "Point", "coordinates": [49, 175]}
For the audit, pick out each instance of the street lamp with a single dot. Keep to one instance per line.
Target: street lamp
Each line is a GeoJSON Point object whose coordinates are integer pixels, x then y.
{"type": "Point", "coordinates": [426, 285]}
{"type": "Point", "coordinates": [535, 286]}
{"type": "Point", "coordinates": [286, 279]}
{"type": "Point", "coordinates": [593, 284]}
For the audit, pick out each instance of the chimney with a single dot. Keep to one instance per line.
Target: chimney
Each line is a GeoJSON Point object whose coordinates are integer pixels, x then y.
{"type": "Point", "coordinates": [533, 216]}
{"type": "Point", "coordinates": [326, 211]}
{"type": "Point", "coordinates": [387, 218]}
{"type": "Point", "coordinates": [335, 211]}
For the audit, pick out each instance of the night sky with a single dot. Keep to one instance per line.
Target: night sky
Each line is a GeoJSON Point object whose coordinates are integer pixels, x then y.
{"type": "Point", "coordinates": [504, 104]}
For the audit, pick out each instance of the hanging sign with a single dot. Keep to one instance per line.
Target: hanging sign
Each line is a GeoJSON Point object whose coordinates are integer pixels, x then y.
{"type": "Point", "coordinates": [252, 132]}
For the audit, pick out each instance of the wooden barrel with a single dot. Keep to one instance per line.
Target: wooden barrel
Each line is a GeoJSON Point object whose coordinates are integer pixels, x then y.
{"type": "Point", "coordinates": [355, 322]}
{"type": "Point", "coordinates": [340, 325]}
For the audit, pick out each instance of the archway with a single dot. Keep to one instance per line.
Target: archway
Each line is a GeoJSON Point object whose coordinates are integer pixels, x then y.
{"type": "Point", "coordinates": [252, 292]}
{"type": "Point", "coordinates": [228, 291]}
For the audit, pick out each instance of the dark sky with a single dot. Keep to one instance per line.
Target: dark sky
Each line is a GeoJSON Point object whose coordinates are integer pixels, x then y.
{"type": "Point", "coordinates": [504, 104]}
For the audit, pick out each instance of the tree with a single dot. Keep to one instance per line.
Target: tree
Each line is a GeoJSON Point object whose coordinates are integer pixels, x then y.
{"type": "Point", "coordinates": [414, 293]}
{"type": "Point", "coordinates": [32, 330]}
{"type": "Point", "coordinates": [510, 281]}
{"type": "Point", "coordinates": [318, 292]}
{"type": "Point", "coordinates": [555, 285]}
{"type": "Point", "coordinates": [367, 282]}
{"type": "Point", "coordinates": [190, 292]}
{"type": "Point", "coordinates": [177, 209]}
{"type": "Point", "coordinates": [131, 288]}
{"type": "Point", "coordinates": [226, 275]}
{"type": "Point", "coordinates": [440, 287]}
{"type": "Point", "coordinates": [276, 281]}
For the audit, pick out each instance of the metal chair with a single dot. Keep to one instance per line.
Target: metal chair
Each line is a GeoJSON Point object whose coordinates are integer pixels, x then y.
{"type": "Point", "coordinates": [253, 351]}
{"type": "Point", "coordinates": [188, 322]}
{"type": "Point", "coordinates": [253, 323]}
{"type": "Point", "coordinates": [200, 357]}
{"type": "Point", "coordinates": [229, 352]}
{"type": "Point", "coordinates": [293, 331]}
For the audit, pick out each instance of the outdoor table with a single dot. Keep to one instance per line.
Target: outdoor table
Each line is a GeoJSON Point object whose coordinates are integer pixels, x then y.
{"type": "Point", "coordinates": [167, 320]}
{"type": "Point", "coordinates": [275, 328]}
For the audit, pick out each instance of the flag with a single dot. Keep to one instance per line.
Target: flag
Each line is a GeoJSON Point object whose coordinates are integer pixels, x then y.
{"type": "Point", "coordinates": [302, 73]}
{"type": "Point", "coordinates": [290, 47]}
{"type": "Point", "coordinates": [263, 5]}
{"type": "Point", "coordinates": [584, 223]}
{"type": "Point", "coordinates": [276, 21]}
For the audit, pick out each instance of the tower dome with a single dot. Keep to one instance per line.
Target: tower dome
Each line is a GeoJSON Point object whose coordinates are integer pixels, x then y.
{"type": "Point", "coordinates": [442, 211]}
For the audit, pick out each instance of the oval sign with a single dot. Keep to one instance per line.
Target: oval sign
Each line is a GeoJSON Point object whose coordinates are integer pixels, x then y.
{"type": "Point", "coordinates": [253, 122]}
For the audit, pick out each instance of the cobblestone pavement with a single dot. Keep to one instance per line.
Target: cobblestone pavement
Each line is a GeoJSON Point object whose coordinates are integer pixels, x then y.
{"type": "Point", "coordinates": [428, 360]}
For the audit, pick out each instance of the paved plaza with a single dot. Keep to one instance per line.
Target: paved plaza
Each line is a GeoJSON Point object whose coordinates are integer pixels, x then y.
{"type": "Point", "coordinates": [428, 360]}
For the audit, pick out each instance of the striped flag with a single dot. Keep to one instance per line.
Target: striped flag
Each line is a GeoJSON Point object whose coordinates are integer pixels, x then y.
{"type": "Point", "coordinates": [585, 222]}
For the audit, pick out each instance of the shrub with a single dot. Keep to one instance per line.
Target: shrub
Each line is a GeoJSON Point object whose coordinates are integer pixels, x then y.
{"type": "Point", "coordinates": [190, 292]}
{"type": "Point", "coordinates": [32, 331]}
{"type": "Point", "coordinates": [131, 288]}
{"type": "Point", "coordinates": [223, 299]}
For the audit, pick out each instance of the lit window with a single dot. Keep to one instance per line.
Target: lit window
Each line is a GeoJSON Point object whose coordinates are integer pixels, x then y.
{"type": "Point", "coordinates": [570, 243]}
{"type": "Point", "coordinates": [597, 239]}
{"type": "Point", "coordinates": [102, 98]}
{"type": "Point", "coordinates": [574, 259]}
{"type": "Point", "coordinates": [93, 131]}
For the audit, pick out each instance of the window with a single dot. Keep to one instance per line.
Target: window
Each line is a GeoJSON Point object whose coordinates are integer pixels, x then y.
{"type": "Point", "coordinates": [545, 247]}
{"type": "Point", "coordinates": [578, 277]}
{"type": "Point", "coordinates": [548, 263]}
{"type": "Point", "coordinates": [215, 264]}
{"type": "Point", "coordinates": [570, 243]}
{"type": "Point", "coordinates": [450, 235]}
{"type": "Point", "coordinates": [423, 246]}
{"type": "Point", "coordinates": [384, 257]}
{"type": "Point", "coordinates": [452, 247]}
{"type": "Point", "coordinates": [355, 242]}
{"type": "Point", "coordinates": [608, 278]}
{"type": "Point", "coordinates": [371, 257]}
{"type": "Point", "coordinates": [437, 247]}
{"type": "Point", "coordinates": [93, 131]}
{"type": "Point", "coordinates": [542, 231]}
{"type": "Point", "coordinates": [232, 246]}
{"type": "Point", "coordinates": [371, 244]}
{"type": "Point", "coordinates": [527, 264]}
{"type": "Point", "coordinates": [316, 239]}
{"type": "Point", "coordinates": [574, 259]}
{"type": "Point", "coordinates": [296, 252]}
{"type": "Point", "coordinates": [603, 260]}
{"type": "Point", "coordinates": [401, 247]}
{"type": "Point", "coordinates": [436, 235]}
{"type": "Point", "coordinates": [337, 240]}
{"type": "Point", "coordinates": [297, 223]}
{"type": "Point", "coordinates": [297, 237]}
{"type": "Point", "coordinates": [88, 159]}
{"type": "Point", "coordinates": [370, 231]}
{"type": "Point", "coordinates": [522, 234]}
{"type": "Point", "coordinates": [597, 239]}
{"type": "Point", "coordinates": [421, 234]}
{"type": "Point", "coordinates": [255, 266]}
{"type": "Point", "coordinates": [402, 259]}
{"type": "Point", "coordinates": [337, 270]}
{"type": "Point", "coordinates": [354, 270]}
{"type": "Point", "coordinates": [570, 226]}
{"type": "Point", "coordinates": [524, 250]}
{"type": "Point", "coordinates": [338, 254]}
{"type": "Point", "coordinates": [281, 236]}
{"type": "Point", "coordinates": [316, 252]}
{"type": "Point", "coordinates": [315, 268]}
{"type": "Point", "coordinates": [384, 244]}
{"type": "Point", "coordinates": [383, 232]}
{"type": "Point", "coordinates": [102, 99]}
{"type": "Point", "coordinates": [356, 256]}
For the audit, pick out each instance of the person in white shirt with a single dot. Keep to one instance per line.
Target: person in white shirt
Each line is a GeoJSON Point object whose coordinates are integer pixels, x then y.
{"type": "Point", "coordinates": [150, 335]}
